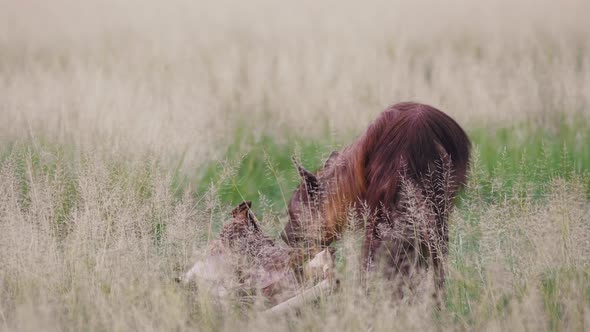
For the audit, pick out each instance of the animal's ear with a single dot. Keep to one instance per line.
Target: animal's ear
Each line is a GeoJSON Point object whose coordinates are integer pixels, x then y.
{"type": "Point", "coordinates": [242, 209]}
{"type": "Point", "coordinates": [332, 159]}
{"type": "Point", "coordinates": [311, 181]}
{"type": "Point", "coordinates": [244, 212]}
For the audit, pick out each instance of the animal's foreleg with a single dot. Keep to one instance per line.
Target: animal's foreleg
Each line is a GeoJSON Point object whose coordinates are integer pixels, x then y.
{"type": "Point", "coordinates": [439, 277]}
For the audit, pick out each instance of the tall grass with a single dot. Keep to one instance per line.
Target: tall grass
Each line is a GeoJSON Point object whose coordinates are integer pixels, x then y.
{"type": "Point", "coordinates": [95, 243]}
{"type": "Point", "coordinates": [129, 130]}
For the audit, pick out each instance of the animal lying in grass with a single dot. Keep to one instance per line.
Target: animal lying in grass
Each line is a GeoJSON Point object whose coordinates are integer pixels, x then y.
{"type": "Point", "coordinates": [402, 176]}
{"type": "Point", "coordinates": [246, 262]}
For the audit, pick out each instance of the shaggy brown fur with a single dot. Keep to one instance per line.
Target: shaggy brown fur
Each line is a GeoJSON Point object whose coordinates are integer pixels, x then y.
{"type": "Point", "coordinates": [261, 263]}
{"type": "Point", "coordinates": [409, 145]}
{"type": "Point", "coordinates": [246, 261]}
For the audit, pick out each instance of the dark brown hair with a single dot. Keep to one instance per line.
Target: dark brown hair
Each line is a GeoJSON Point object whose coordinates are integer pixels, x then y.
{"type": "Point", "coordinates": [405, 143]}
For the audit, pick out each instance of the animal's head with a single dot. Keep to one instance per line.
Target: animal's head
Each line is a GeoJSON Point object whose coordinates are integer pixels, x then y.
{"type": "Point", "coordinates": [306, 207]}
{"type": "Point", "coordinates": [236, 237]}
{"type": "Point", "coordinates": [242, 225]}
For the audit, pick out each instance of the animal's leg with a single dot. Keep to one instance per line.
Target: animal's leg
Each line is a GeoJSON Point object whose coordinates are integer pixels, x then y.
{"type": "Point", "coordinates": [370, 246]}
{"type": "Point", "coordinates": [439, 277]}
{"type": "Point", "coordinates": [439, 252]}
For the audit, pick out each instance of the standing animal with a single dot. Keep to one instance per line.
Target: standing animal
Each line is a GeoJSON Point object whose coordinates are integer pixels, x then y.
{"type": "Point", "coordinates": [403, 173]}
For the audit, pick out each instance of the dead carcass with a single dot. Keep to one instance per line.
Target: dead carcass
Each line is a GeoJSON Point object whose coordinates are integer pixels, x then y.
{"type": "Point", "coordinates": [246, 262]}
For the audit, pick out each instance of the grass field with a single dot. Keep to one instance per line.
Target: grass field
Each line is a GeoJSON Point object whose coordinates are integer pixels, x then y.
{"type": "Point", "coordinates": [129, 130]}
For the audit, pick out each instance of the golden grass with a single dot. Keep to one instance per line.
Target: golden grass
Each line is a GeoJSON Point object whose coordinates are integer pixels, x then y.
{"type": "Point", "coordinates": [92, 236]}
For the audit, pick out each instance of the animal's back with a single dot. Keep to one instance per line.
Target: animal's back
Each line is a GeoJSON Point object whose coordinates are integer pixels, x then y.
{"type": "Point", "coordinates": [408, 140]}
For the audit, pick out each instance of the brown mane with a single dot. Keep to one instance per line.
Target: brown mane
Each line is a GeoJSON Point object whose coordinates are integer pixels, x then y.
{"type": "Point", "coordinates": [406, 138]}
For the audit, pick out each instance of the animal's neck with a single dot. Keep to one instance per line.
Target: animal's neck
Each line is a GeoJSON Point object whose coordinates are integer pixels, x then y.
{"type": "Point", "coordinates": [345, 189]}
